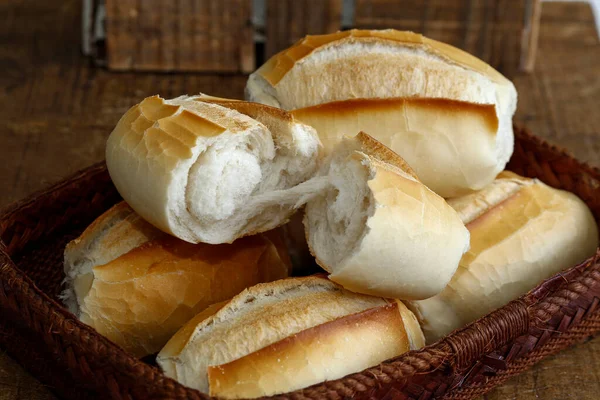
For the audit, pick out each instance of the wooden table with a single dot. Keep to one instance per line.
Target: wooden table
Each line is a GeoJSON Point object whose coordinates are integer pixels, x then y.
{"type": "Point", "coordinates": [57, 111]}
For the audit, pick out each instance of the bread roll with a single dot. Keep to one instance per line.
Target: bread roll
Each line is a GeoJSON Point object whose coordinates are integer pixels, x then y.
{"type": "Point", "coordinates": [378, 230]}
{"type": "Point", "coordinates": [447, 113]}
{"type": "Point", "coordinates": [522, 231]}
{"type": "Point", "coordinates": [137, 285]}
{"type": "Point", "coordinates": [210, 170]}
{"type": "Point", "coordinates": [285, 335]}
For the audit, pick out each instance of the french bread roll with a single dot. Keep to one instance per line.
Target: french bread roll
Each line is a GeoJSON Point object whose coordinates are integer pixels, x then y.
{"type": "Point", "coordinates": [137, 285]}
{"type": "Point", "coordinates": [286, 335]}
{"type": "Point", "coordinates": [211, 170]}
{"type": "Point", "coordinates": [378, 230]}
{"type": "Point", "coordinates": [447, 113]}
{"type": "Point", "coordinates": [522, 232]}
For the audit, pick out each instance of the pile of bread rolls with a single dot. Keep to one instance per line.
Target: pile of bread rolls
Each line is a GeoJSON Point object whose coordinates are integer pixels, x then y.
{"type": "Point", "coordinates": [390, 149]}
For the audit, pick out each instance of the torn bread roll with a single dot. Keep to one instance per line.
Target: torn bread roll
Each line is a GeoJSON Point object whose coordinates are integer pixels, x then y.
{"type": "Point", "coordinates": [378, 230]}
{"type": "Point", "coordinates": [522, 232]}
{"type": "Point", "coordinates": [286, 335]}
{"type": "Point", "coordinates": [137, 285]}
{"type": "Point", "coordinates": [447, 113]}
{"type": "Point", "coordinates": [210, 170]}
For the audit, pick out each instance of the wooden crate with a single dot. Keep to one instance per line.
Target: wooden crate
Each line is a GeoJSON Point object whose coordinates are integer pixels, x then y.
{"type": "Point", "coordinates": [290, 20]}
{"type": "Point", "coordinates": [219, 35]}
{"type": "Point", "coordinates": [188, 35]}
{"type": "Point", "coordinates": [501, 32]}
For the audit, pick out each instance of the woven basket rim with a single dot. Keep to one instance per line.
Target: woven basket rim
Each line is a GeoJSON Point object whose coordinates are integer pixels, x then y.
{"type": "Point", "coordinates": [17, 205]}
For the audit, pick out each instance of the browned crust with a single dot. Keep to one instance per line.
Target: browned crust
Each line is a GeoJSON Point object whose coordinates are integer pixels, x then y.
{"type": "Point", "coordinates": [281, 63]}
{"type": "Point", "coordinates": [155, 109]}
{"type": "Point", "coordinates": [387, 315]}
{"type": "Point", "coordinates": [181, 338]}
{"type": "Point", "coordinates": [492, 228]}
{"type": "Point", "coordinates": [120, 211]}
{"type": "Point", "coordinates": [251, 109]}
{"type": "Point", "coordinates": [112, 213]}
{"type": "Point", "coordinates": [376, 149]}
{"type": "Point", "coordinates": [141, 284]}
{"type": "Point", "coordinates": [182, 254]}
{"type": "Point", "coordinates": [487, 111]}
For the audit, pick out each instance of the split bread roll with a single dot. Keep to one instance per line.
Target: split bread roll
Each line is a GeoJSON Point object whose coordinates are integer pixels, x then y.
{"type": "Point", "coordinates": [447, 113]}
{"type": "Point", "coordinates": [522, 232]}
{"type": "Point", "coordinates": [378, 230]}
{"type": "Point", "coordinates": [137, 285]}
{"type": "Point", "coordinates": [211, 170]}
{"type": "Point", "coordinates": [286, 335]}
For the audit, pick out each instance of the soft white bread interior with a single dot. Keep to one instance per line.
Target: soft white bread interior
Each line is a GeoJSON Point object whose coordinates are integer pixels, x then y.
{"type": "Point", "coordinates": [137, 285]}
{"type": "Point", "coordinates": [210, 170]}
{"type": "Point", "coordinates": [522, 231]}
{"type": "Point", "coordinates": [446, 112]}
{"type": "Point", "coordinates": [378, 230]}
{"type": "Point", "coordinates": [286, 335]}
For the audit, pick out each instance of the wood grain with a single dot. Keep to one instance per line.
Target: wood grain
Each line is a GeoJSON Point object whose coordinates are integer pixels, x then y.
{"type": "Point", "coordinates": [185, 35]}
{"type": "Point", "coordinates": [290, 20]}
{"type": "Point", "coordinates": [493, 30]}
{"type": "Point", "coordinates": [57, 112]}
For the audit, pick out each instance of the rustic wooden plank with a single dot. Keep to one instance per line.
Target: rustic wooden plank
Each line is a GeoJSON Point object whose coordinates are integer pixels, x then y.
{"type": "Point", "coordinates": [531, 36]}
{"type": "Point", "coordinates": [289, 20]}
{"type": "Point", "coordinates": [16, 383]}
{"type": "Point", "coordinates": [184, 35]}
{"type": "Point", "coordinates": [489, 29]}
{"type": "Point", "coordinates": [560, 99]}
{"type": "Point", "coordinates": [571, 374]}
{"type": "Point", "coordinates": [120, 44]}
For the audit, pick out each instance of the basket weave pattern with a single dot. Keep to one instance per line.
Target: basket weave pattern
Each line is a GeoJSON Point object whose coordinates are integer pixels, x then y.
{"type": "Point", "coordinates": [79, 363]}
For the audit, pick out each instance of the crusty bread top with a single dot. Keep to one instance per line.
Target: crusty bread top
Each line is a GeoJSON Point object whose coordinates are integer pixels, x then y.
{"type": "Point", "coordinates": [120, 235]}
{"type": "Point", "coordinates": [126, 230]}
{"type": "Point", "coordinates": [280, 64]}
{"type": "Point", "coordinates": [137, 285]}
{"type": "Point", "coordinates": [169, 255]}
{"type": "Point", "coordinates": [165, 130]}
{"type": "Point", "coordinates": [522, 199]}
{"type": "Point", "coordinates": [240, 305]}
{"type": "Point", "coordinates": [324, 352]}
{"type": "Point", "coordinates": [375, 107]}
{"type": "Point", "coordinates": [140, 299]}
{"type": "Point", "coordinates": [522, 231]}
{"type": "Point", "coordinates": [275, 119]}
{"type": "Point", "coordinates": [371, 148]}
{"type": "Point", "coordinates": [383, 64]}
{"type": "Point", "coordinates": [530, 201]}
{"type": "Point", "coordinates": [257, 317]}
{"type": "Point", "coordinates": [374, 148]}
{"type": "Point", "coordinates": [471, 206]}
{"type": "Point", "coordinates": [111, 235]}
{"type": "Point", "coordinates": [256, 111]}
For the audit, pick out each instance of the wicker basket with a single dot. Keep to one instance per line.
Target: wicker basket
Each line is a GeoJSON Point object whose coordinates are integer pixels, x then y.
{"type": "Point", "coordinates": [80, 364]}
